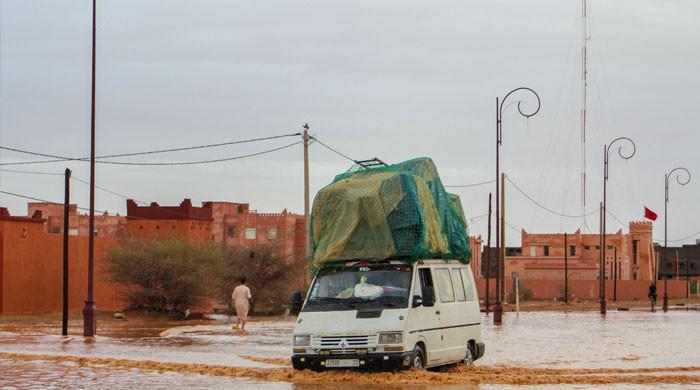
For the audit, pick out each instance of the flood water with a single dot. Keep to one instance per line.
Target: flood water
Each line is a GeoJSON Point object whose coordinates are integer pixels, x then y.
{"type": "Point", "coordinates": [525, 352]}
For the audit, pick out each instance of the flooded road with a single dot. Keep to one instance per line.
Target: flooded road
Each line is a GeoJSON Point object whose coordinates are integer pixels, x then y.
{"type": "Point", "coordinates": [623, 350]}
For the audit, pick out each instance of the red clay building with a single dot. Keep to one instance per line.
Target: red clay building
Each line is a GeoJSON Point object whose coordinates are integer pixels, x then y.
{"type": "Point", "coordinates": [106, 225]}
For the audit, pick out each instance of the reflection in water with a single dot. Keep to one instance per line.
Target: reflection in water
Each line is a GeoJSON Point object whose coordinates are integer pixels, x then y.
{"type": "Point", "coordinates": [538, 349]}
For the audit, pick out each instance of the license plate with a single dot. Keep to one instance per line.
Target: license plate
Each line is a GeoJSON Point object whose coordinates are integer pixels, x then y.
{"type": "Point", "coordinates": [343, 363]}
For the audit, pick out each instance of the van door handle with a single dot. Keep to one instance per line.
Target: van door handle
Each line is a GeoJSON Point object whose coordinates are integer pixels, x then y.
{"type": "Point", "coordinates": [437, 312]}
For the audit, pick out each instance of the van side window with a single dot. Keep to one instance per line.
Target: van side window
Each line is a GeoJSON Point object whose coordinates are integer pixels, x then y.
{"type": "Point", "coordinates": [467, 281]}
{"type": "Point", "coordinates": [444, 283]}
{"type": "Point", "coordinates": [426, 280]}
{"type": "Point", "coordinates": [457, 284]}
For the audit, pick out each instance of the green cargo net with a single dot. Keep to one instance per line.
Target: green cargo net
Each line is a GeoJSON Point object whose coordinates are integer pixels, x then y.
{"type": "Point", "coordinates": [397, 212]}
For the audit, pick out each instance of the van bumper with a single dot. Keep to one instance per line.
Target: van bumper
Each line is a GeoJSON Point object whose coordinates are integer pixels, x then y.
{"type": "Point", "coordinates": [388, 361]}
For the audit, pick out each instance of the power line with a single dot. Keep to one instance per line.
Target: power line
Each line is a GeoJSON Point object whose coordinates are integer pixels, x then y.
{"type": "Point", "coordinates": [540, 205]}
{"type": "Point", "coordinates": [43, 200]}
{"type": "Point", "coordinates": [471, 185]}
{"type": "Point", "coordinates": [57, 158]}
{"type": "Point", "coordinates": [333, 150]}
{"type": "Point", "coordinates": [173, 163]}
{"type": "Point", "coordinates": [32, 172]}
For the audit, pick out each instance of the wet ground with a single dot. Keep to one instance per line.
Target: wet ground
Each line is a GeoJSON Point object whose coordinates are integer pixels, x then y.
{"type": "Point", "coordinates": [623, 350]}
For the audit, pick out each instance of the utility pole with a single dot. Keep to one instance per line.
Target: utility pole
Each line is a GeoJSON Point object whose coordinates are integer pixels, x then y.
{"type": "Point", "coordinates": [616, 275]}
{"type": "Point", "coordinates": [566, 269]}
{"type": "Point", "coordinates": [488, 257]}
{"type": "Point", "coordinates": [89, 320]}
{"type": "Point", "coordinates": [307, 218]}
{"type": "Point", "coordinates": [601, 268]}
{"type": "Point", "coordinates": [502, 268]}
{"type": "Point", "coordinates": [66, 207]}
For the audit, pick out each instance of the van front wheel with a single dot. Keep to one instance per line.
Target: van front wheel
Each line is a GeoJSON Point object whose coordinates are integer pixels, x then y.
{"type": "Point", "coordinates": [418, 359]}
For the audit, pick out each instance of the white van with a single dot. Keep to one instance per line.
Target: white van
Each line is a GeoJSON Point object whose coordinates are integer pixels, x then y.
{"type": "Point", "coordinates": [390, 314]}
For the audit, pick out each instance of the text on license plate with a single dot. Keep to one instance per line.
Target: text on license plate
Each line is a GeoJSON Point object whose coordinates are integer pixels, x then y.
{"type": "Point", "coordinates": [343, 363]}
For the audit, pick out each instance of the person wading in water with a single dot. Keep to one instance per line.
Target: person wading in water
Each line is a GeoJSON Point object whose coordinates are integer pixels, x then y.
{"type": "Point", "coordinates": [241, 300]}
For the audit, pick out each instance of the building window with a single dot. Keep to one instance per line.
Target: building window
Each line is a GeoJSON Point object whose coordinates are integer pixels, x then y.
{"type": "Point", "coordinates": [533, 251]}
{"type": "Point", "coordinates": [230, 230]}
{"type": "Point", "coordinates": [55, 229]}
{"type": "Point", "coordinates": [251, 255]}
{"type": "Point", "coordinates": [635, 253]}
{"type": "Point", "coordinates": [72, 232]}
{"type": "Point", "coordinates": [597, 247]}
{"type": "Point", "coordinates": [546, 250]}
{"type": "Point", "coordinates": [610, 247]}
{"type": "Point", "coordinates": [272, 234]}
{"type": "Point", "coordinates": [587, 247]}
{"type": "Point", "coordinates": [250, 234]}
{"type": "Point", "coordinates": [572, 250]}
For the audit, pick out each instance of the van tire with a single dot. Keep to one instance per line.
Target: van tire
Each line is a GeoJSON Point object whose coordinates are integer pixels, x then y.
{"type": "Point", "coordinates": [418, 358]}
{"type": "Point", "coordinates": [469, 357]}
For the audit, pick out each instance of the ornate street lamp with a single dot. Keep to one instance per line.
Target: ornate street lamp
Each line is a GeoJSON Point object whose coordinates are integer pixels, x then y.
{"type": "Point", "coordinates": [89, 323]}
{"type": "Point", "coordinates": [497, 308]}
{"type": "Point", "coordinates": [606, 157]}
{"type": "Point", "coordinates": [682, 173]}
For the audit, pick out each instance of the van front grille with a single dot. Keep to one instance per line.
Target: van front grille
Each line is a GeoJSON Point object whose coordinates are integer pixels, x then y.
{"type": "Point", "coordinates": [344, 343]}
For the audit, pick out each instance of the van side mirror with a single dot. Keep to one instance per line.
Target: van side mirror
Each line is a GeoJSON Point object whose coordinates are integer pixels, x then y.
{"type": "Point", "coordinates": [428, 296]}
{"type": "Point", "coordinates": [295, 303]}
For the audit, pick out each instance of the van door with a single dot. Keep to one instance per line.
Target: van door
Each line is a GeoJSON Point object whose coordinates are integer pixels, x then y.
{"type": "Point", "coordinates": [427, 319]}
{"type": "Point", "coordinates": [452, 313]}
{"type": "Point", "coordinates": [473, 312]}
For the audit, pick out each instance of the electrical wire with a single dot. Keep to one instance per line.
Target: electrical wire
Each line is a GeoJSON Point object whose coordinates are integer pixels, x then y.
{"type": "Point", "coordinates": [44, 200]}
{"type": "Point", "coordinates": [57, 158]}
{"type": "Point", "coordinates": [333, 150]}
{"type": "Point", "coordinates": [540, 205]}
{"type": "Point", "coordinates": [32, 172]}
{"type": "Point", "coordinates": [471, 185]}
{"type": "Point", "coordinates": [173, 163]}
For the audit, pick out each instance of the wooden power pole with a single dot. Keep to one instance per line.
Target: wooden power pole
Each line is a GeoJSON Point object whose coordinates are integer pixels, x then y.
{"type": "Point", "coordinates": [307, 218]}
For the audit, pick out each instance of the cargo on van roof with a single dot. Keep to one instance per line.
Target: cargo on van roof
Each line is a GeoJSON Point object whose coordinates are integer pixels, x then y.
{"type": "Point", "coordinates": [401, 211]}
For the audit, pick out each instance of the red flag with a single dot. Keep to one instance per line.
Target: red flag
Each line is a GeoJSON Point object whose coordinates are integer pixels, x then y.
{"type": "Point", "coordinates": [649, 214]}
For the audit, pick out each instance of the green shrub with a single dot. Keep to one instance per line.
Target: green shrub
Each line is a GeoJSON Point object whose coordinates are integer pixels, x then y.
{"type": "Point", "coordinates": [164, 275]}
{"type": "Point", "coordinates": [269, 276]}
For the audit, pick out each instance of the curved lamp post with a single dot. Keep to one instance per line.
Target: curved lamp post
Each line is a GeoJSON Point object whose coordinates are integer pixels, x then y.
{"type": "Point", "coordinates": [606, 158]}
{"type": "Point", "coordinates": [500, 107]}
{"type": "Point", "coordinates": [683, 178]}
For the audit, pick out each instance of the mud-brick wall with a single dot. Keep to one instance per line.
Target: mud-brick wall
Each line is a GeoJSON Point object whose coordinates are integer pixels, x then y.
{"type": "Point", "coordinates": [586, 289]}
{"type": "Point", "coordinates": [31, 271]}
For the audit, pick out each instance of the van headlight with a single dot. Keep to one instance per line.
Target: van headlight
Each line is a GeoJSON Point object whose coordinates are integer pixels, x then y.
{"type": "Point", "coordinates": [390, 338]}
{"type": "Point", "coordinates": [302, 340]}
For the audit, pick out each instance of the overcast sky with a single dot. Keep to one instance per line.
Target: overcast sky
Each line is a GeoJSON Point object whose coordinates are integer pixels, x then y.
{"type": "Point", "coordinates": [391, 79]}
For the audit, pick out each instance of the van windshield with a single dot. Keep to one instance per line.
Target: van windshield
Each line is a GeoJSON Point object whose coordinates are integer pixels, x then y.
{"type": "Point", "coordinates": [355, 287]}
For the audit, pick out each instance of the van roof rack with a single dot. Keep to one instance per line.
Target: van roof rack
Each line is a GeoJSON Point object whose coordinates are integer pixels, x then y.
{"type": "Point", "coordinates": [371, 163]}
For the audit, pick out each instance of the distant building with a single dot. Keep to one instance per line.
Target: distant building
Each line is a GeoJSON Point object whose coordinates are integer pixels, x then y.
{"type": "Point", "coordinates": [235, 225]}
{"type": "Point", "coordinates": [106, 225]}
{"type": "Point", "coordinates": [679, 262]}
{"type": "Point", "coordinates": [179, 222]}
{"type": "Point", "coordinates": [541, 256]}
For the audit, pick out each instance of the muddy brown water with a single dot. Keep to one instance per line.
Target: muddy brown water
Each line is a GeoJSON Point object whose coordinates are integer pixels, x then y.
{"type": "Point", "coordinates": [576, 350]}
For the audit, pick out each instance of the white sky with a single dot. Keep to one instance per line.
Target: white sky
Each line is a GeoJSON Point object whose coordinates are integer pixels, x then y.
{"type": "Point", "coordinates": [392, 79]}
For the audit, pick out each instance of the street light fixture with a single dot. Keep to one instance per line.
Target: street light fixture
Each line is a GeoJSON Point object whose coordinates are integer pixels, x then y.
{"type": "Point", "coordinates": [89, 323]}
{"type": "Point", "coordinates": [682, 173]}
{"type": "Point", "coordinates": [606, 158]}
{"type": "Point", "coordinates": [497, 308]}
